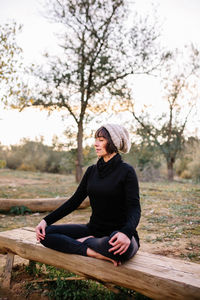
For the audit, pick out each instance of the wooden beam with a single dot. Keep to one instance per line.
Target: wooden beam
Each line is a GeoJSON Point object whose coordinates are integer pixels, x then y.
{"type": "Point", "coordinates": [155, 276]}
{"type": "Point", "coordinates": [39, 204]}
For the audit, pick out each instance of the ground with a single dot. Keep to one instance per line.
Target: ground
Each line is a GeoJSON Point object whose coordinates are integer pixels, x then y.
{"type": "Point", "coordinates": [170, 223]}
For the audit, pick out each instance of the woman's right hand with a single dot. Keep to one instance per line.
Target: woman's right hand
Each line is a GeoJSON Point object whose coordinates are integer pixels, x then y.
{"type": "Point", "coordinates": [40, 230]}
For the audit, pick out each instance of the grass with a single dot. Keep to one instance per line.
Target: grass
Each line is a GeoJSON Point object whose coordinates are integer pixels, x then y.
{"type": "Point", "coordinates": [170, 219]}
{"type": "Point", "coordinates": [55, 284]}
{"type": "Point", "coordinates": [170, 223]}
{"type": "Point", "coordinates": [21, 184]}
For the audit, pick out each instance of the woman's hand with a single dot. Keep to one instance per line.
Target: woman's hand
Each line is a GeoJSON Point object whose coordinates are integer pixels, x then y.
{"type": "Point", "coordinates": [40, 230]}
{"type": "Point", "coordinates": [120, 243]}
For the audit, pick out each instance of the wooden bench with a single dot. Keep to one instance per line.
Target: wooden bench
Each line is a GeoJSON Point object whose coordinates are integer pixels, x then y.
{"type": "Point", "coordinates": [155, 276]}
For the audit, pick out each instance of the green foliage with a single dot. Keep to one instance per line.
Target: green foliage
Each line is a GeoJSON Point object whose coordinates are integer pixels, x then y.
{"type": "Point", "coordinates": [2, 157]}
{"type": "Point", "coordinates": [2, 164]}
{"type": "Point", "coordinates": [20, 210]}
{"type": "Point", "coordinates": [10, 62]}
{"type": "Point", "coordinates": [58, 287]}
{"type": "Point", "coordinates": [143, 155]}
{"type": "Point", "coordinates": [145, 159]}
{"type": "Point", "coordinates": [168, 139]}
{"type": "Point", "coordinates": [35, 156]}
{"type": "Point", "coordinates": [89, 156]}
{"type": "Point", "coordinates": [158, 219]}
{"type": "Point", "coordinates": [31, 268]}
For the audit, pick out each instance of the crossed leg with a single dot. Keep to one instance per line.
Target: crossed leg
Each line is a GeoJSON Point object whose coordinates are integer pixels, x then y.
{"type": "Point", "coordinates": [77, 239]}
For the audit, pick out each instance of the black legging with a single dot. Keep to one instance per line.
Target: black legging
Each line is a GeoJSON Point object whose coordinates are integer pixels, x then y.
{"type": "Point", "coordinates": [63, 238]}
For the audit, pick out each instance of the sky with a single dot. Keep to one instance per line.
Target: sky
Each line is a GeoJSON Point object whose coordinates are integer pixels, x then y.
{"type": "Point", "coordinates": [180, 24]}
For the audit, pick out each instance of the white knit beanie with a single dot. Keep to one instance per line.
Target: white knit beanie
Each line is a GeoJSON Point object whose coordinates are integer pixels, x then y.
{"type": "Point", "coordinates": [119, 136]}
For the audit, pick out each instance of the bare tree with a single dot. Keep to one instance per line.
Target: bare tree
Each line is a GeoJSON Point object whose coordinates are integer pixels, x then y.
{"type": "Point", "coordinates": [180, 91]}
{"type": "Point", "coordinates": [98, 53]}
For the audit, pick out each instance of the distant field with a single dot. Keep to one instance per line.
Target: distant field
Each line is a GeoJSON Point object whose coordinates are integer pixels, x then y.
{"type": "Point", "coordinates": [170, 223]}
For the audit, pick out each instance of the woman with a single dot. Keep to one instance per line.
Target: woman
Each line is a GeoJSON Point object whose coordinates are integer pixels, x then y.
{"type": "Point", "coordinates": [112, 187]}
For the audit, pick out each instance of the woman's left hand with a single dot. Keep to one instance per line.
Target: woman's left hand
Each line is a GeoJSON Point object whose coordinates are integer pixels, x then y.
{"type": "Point", "coordinates": [120, 243]}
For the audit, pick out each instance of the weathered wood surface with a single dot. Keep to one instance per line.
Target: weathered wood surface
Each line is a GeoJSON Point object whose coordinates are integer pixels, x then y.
{"type": "Point", "coordinates": [155, 276]}
{"type": "Point", "coordinates": [40, 204]}
{"type": "Point", "coordinates": [7, 271]}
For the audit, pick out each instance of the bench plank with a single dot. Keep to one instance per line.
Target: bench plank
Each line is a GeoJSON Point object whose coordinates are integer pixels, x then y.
{"type": "Point", "coordinates": [155, 276]}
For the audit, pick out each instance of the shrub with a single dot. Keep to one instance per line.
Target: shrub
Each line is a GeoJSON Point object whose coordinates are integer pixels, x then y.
{"type": "Point", "coordinates": [188, 165]}
{"type": "Point", "coordinates": [194, 168]}
{"type": "Point", "coordinates": [27, 167]}
{"type": "Point", "coordinates": [19, 210]}
{"type": "Point", "coordinates": [186, 174]}
{"type": "Point", "coordinates": [2, 164]}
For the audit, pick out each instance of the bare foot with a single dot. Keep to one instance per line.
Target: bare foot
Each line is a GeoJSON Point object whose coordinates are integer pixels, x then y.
{"type": "Point", "coordinates": [85, 238]}
{"type": "Point", "coordinates": [95, 254]}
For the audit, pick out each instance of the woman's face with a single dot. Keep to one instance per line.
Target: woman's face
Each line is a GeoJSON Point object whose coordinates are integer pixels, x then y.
{"type": "Point", "coordinates": [100, 146]}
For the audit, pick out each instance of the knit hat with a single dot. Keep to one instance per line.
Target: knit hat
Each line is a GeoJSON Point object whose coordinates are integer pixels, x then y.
{"type": "Point", "coordinates": [119, 136]}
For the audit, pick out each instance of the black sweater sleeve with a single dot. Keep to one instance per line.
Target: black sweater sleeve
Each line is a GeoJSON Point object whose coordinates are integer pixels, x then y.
{"type": "Point", "coordinates": [71, 204]}
{"type": "Point", "coordinates": [132, 202]}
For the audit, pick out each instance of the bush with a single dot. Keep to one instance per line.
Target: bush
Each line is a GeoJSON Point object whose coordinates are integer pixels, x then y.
{"type": "Point", "coordinates": [146, 161]}
{"type": "Point", "coordinates": [20, 210]}
{"type": "Point", "coordinates": [188, 164]}
{"type": "Point", "coordinates": [35, 156]}
{"type": "Point", "coordinates": [2, 164]}
{"type": "Point", "coordinates": [149, 173]}
{"type": "Point", "coordinates": [181, 165]}
{"type": "Point", "coordinates": [186, 174]}
{"type": "Point", "coordinates": [194, 168]}
{"type": "Point", "coordinates": [26, 167]}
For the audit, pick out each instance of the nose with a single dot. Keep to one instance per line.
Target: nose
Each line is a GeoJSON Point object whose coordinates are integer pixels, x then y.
{"type": "Point", "coordinates": [96, 143]}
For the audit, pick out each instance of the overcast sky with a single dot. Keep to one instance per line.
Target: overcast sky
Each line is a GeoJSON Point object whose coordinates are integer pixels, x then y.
{"type": "Point", "coordinates": [181, 23]}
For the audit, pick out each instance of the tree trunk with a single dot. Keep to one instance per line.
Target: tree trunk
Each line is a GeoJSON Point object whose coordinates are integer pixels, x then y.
{"type": "Point", "coordinates": [170, 170]}
{"type": "Point", "coordinates": [79, 161]}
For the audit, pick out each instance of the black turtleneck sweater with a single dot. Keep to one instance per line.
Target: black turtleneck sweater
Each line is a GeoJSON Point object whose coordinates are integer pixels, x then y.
{"type": "Point", "coordinates": [113, 191]}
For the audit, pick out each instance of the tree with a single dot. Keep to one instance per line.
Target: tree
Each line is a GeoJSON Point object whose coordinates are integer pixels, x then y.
{"type": "Point", "coordinates": [179, 89]}
{"type": "Point", "coordinates": [10, 62]}
{"type": "Point", "coordinates": [98, 53]}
